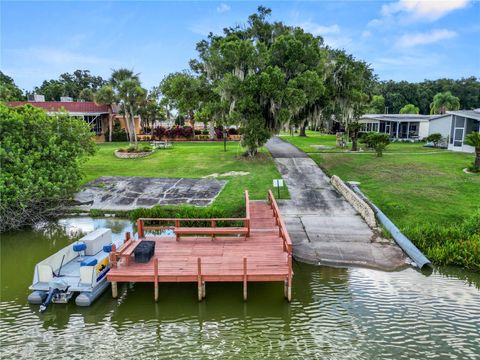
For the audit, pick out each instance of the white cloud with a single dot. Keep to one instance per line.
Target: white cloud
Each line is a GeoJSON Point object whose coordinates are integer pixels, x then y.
{"type": "Point", "coordinates": [410, 40]}
{"type": "Point", "coordinates": [317, 29]}
{"type": "Point", "coordinates": [423, 9]}
{"type": "Point", "coordinates": [366, 34]}
{"type": "Point", "coordinates": [223, 8]}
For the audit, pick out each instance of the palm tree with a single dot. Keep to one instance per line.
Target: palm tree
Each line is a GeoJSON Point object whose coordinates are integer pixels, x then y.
{"type": "Point", "coordinates": [473, 139]}
{"type": "Point", "coordinates": [106, 95]}
{"type": "Point", "coordinates": [125, 90]}
{"type": "Point", "coordinates": [443, 102]}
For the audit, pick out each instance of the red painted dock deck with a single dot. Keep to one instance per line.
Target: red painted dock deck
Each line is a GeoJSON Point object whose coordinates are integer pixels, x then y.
{"type": "Point", "coordinates": [259, 251]}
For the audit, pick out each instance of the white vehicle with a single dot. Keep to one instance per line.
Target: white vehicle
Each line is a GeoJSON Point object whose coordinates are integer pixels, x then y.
{"type": "Point", "coordinates": [78, 269]}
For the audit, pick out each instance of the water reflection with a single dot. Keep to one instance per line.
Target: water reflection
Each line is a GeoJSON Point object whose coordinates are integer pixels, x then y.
{"type": "Point", "coordinates": [335, 313]}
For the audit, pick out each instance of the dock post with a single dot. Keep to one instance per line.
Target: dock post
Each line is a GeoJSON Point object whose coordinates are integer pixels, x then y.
{"type": "Point", "coordinates": [114, 289]}
{"type": "Point", "coordinates": [141, 232]}
{"type": "Point", "coordinates": [289, 279]}
{"type": "Point", "coordinates": [199, 279]}
{"type": "Point", "coordinates": [113, 256]}
{"type": "Point", "coordinates": [245, 279]}
{"type": "Point", "coordinates": [155, 279]}
{"type": "Point", "coordinates": [127, 236]}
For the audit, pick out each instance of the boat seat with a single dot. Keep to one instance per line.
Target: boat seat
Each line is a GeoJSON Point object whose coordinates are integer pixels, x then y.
{"type": "Point", "coordinates": [79, 246]}
{"type": "Point", "coordinates": [89, 262]}
{"type": "Point", "coordinates": [107, 248]}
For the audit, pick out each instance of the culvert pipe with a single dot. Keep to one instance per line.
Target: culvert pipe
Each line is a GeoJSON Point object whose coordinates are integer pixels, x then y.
{"type": "Point", "coordinates": [405, 244]}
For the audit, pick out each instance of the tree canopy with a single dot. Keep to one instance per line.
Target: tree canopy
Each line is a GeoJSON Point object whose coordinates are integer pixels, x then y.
{"type": "Point", "coordinates": [264, 76]}
{"type": "Point", "coordinates": [74, 85]}
{"type": "Point", "coordinates": [9, 91]}
{"type": "Point", "coordinates": [40, 161]}
{"type": "Point", "coordinates": [124, 90]}
{"type": "Point", "coordinates": [409, 109]}
{"type": "Point", "coordinates": [399, 93]}
{"type": "Point", "coordinates": [442, 102]}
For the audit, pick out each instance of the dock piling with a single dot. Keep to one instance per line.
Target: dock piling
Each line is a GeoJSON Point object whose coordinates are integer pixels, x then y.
{"type": "Point", "coordinates": [199, 279]}
{"type": "Point", "coordinates": [155, 279]}
{"type": "Point", "coordinates": [114, 289]}
{"type": "Point", "coordinates": [289, 279]}
{"type": "Point", "coordinates": [245, 282]}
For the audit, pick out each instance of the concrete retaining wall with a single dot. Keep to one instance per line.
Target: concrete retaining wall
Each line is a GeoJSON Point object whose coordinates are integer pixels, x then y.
{"type": "Point", "coordinates": [361, 206]}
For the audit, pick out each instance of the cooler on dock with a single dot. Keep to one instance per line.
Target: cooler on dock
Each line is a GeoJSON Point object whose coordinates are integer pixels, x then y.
{"type": "Point", "coordinates": [144, 251]}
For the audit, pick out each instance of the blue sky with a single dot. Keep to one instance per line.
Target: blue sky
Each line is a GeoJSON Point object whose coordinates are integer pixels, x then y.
{"type": "Point", "coordinates": [403, 39]}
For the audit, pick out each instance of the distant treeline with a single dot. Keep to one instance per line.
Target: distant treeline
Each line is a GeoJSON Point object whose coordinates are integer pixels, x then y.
{"type": "Point", "coordinates": [399, 93]}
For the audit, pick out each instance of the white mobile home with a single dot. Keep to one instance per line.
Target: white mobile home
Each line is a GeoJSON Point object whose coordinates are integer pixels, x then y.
{"type": "Point", "coordinates": [400, 126]}
{"type": "Point", "coordinates": [462, 123]}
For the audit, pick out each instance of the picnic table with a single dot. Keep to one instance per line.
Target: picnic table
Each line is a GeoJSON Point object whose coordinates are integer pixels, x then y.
{"type": "Point", "coordinates": [158, 144]}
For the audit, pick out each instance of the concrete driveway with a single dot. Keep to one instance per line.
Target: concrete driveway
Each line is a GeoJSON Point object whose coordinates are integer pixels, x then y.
{"type": "Point", "coordinates": [325, 229]}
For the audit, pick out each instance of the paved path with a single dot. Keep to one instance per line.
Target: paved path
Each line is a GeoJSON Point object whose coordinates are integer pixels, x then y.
{"type": "Point", "coordinates": [324, 227]}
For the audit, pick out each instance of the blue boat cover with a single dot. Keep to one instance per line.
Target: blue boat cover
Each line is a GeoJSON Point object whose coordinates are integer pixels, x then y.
{"type": "Point", "coordinates": [107, 248]}
{"type": "Point", "coordinates": [80, 246]}
{"type": "Point", "coordinates": [89, 262]}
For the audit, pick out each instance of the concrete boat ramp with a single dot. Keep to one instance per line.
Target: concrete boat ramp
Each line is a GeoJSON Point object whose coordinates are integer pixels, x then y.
{"type": "Point", "coordinates": [325, 229]}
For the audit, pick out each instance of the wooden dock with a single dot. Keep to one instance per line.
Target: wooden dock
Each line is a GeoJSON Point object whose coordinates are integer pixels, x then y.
{"type": "Point", "coordinates": [254, 248]}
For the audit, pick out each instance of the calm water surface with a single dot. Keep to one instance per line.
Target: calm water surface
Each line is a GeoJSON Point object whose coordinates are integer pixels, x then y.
{"type": "Point", "coordinates": [335, 313]}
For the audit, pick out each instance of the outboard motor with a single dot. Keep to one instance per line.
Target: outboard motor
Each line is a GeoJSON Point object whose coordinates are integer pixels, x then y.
{"type": "Point", "coordinates": [57, 288]}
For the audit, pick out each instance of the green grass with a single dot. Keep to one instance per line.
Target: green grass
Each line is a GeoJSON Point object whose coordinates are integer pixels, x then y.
{"type": "Point", "coordinates": [417, 188]}
{"type": "Point", "coordinates": [193, 160]}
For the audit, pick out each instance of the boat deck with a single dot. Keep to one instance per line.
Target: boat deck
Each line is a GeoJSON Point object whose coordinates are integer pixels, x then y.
{"type": "Point", "coordinates": [264, 255]}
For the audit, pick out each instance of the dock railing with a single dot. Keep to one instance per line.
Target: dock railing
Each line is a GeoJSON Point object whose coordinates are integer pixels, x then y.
{"type": "Point", "coordinates": [282, 229]}
{"type": "Point", "coordinates": [204, 226]}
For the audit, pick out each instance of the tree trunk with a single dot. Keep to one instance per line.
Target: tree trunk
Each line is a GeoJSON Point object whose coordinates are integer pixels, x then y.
{"type": "Point", "coordinates": [211, 130]}
{"type": "Point", "coordinates": [303, 129]}
{"type": "Point", "coordinates": [110, 126]}
{"type": "Point", "coordinates": [477, 157]}
{"type": "Point", "coordinates": [354, 144]}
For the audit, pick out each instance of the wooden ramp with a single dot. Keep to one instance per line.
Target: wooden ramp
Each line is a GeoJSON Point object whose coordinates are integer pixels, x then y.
{"type": "Point", "coordinates": [254, 248]}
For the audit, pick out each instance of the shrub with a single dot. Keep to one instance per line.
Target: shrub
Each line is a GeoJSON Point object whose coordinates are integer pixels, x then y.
{"type": "Point", "coordinates": [198, 132]}
{"type": "Point", "coordinates": [205, 132]}
{"type": "Point", "coordinates": [232, 131]}
{"type": "Point", "coordinates": [434, 138]}
{"type": "Point", "coordinates": [159, 132]}
{"type": "Point", "coordinates": [40, 162]}
{"type": "Point", "coordinates": [187, 132]}
{"type": "Point", "coordinates": [376, 141]}
{"type": "Point", "coordinates": [219, 133]}
{"type": "Point", "coordinates": [449, 245]}
{"type": "Point", "coordinates": [118, 134]}
{"type": "Point", "coordinates": [473, 139]}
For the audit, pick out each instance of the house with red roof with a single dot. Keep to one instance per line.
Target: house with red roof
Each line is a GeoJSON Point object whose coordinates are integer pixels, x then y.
{"type": "Point", "coordinates": [99, 117]}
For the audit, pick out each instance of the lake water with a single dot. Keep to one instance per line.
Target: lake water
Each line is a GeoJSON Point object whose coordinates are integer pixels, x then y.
{"type": "Point", "coordinates": [335, 313]}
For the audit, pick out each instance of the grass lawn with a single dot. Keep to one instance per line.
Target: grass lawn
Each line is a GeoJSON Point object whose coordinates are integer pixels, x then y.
{"type": "Point", "coordinates": [193, 160]}
{"type": "Point", "coordinates": [414, 186]}
{"type": "Point", "coordinates": [313, 138]}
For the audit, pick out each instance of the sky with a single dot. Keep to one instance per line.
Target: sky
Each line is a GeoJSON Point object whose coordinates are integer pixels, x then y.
{"type": "Point", "coordinates": [408, 40]}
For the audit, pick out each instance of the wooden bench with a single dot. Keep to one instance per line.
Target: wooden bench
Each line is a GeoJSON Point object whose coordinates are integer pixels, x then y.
{"type": "Point", "coordinates": [127, 249]}
{"type": "Point", "coordinates": [212, 231]}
